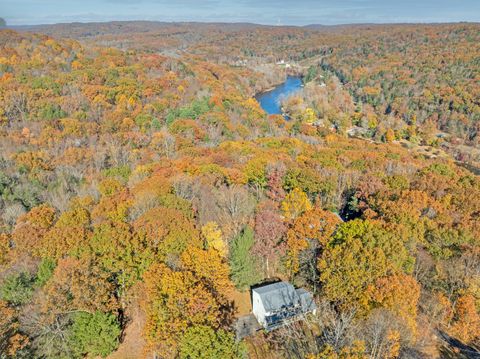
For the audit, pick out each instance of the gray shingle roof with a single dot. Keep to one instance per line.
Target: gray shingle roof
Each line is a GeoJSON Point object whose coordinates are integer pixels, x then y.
{"type": "Point", "coordinates": [277, 296]}
{"type": "Point", "coordinates": [306, 300]}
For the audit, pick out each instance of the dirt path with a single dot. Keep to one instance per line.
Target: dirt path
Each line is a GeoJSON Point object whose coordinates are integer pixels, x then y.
{"type": "Point", "coordinates": [133, 343]}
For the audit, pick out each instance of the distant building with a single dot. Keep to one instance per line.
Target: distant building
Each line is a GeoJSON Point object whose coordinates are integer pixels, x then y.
{"type": "Point", "coordinates": [278, 303]}
{"type": "Point", "coordinates": [240, 63]}
{"type": "Point", "coordinates": [283, 63]}
{"type": "Point", "coordinates": [357, 131]}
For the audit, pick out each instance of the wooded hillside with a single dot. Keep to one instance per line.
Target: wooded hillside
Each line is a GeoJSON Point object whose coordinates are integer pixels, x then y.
{"type": "Point", "coordinates": [143, 188]}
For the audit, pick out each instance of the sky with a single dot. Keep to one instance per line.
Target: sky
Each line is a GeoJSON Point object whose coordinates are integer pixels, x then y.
{"type": "Point", "coordinates": [274, 12]}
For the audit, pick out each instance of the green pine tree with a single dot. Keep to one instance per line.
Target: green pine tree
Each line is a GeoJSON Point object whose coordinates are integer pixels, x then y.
{"type": "Point", "coordinates": [243, 265]}
{"type": "Point", "coordinates": [94, 334]}
{"type": "Point", "coordinates": [202, 342]}
{"type": "Point", "coordinates": [45, 271]}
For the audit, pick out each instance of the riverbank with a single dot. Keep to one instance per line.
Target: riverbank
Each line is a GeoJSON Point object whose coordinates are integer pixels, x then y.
{"type": "Point", "coordinates": [270, 101]}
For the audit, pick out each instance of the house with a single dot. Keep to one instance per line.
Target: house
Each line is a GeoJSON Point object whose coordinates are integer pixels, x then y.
{"type": "Point", "coordinates": [357, 131]}
{"type": "Point", "coordinates": [283, 63]}
{"type": "Point", "coordinates": [275, 304]}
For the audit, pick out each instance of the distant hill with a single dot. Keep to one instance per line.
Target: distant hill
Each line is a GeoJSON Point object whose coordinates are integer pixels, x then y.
{"type": "Point", "coordinates": [3, 23]}
{"type": "Point", "coordinates": [347, 26]}
{"type": "Point", "coordinates": [370, 25]}
{"type": "Point", "coordinates": [116, 27]}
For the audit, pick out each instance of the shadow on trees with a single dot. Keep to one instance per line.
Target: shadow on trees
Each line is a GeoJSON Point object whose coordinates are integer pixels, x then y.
{"type": "Point", "coordinates": [454, 348]}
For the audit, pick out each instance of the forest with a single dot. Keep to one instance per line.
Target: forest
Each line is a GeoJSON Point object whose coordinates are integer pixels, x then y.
{"type": "Point", "coordinates": [143, 190]}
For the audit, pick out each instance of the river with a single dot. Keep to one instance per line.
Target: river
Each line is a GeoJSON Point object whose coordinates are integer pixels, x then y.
{"type": "Point", "coordinates": [270, 101]}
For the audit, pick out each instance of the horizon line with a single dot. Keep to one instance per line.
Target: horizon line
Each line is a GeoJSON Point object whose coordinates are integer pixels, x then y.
{"type": "Point", "coordinates": [245, 23]}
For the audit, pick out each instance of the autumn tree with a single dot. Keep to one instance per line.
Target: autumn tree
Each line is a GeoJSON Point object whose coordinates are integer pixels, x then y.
{"type": "Point", "coordinates": [11, 338]}
{"type": "Point", "coordinates": [312, 230]}
{"type": "Point", "coordinates": [295, 203]}
{"type": "Point", "coordinates": [112, 206]}
{"type": "Point", "coordinates": [121, 252]}
{"type": "Point", "coordinates": [213, 237]}
{"type": "Point", "coordinates": [175, 301]}
{"type": "Point", "coordinates": [69, 235]}
{"type": "Point", "coordinates": [31, 228]}
{"type": "Point", "coordinates": [4, 249]}
{"type": "Point", "coordinates": [466, 321]}
{"type": "Point", "coordinates": [166, 232]}
{"type": "Point", "coordinates": [400, 294]}
{"type": "Point", "coordinates": [357, 255]}
{"type": "Point", "coordinates": [356, 351]}
{"type": "Point", "coordinates": [269, 232]}
{"type": "Point", "coordinates": [382, 335]}
{"type": "Point", "coordinates": [210, 267]}
{"type": "Point", "coordinates": [275, 174]}
{"type": "Point", "coordinates": [77, 285]}
{"type": "Point", "coordinates": [389, 136]}
{"type": "Point", "coordinates": [236, 206]}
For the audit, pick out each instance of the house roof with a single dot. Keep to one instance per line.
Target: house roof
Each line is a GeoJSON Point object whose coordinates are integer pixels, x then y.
{"type": "Point", "coordinates": [306, 300]}
{"type": "Point", "coordinates": [277, 296]}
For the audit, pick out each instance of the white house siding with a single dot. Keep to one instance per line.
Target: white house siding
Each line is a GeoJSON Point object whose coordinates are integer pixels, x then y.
{"type": "Point", "coordinates": [258, 308]}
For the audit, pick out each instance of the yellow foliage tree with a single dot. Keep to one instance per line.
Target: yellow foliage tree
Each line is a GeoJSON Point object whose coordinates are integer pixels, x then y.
{"type": "Point", "coordinates": [309, 116]}
{"type": "Point", "coordinates": [295, 203]}
{"type": "Point", "coordinates": [357, 350]}
{"type": "Point", "coordinates": [109, 187]}
{"type": "Point", "coordinates": [389, 136]}
{"type": "Point", "coordinates": [209, 266]}
{"type": "Point", "coordinates": [176, 300]}
{"type": "Point", "coordinates": [393, 339]}
{"type": "Point", "coordinates": [213, 237]}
